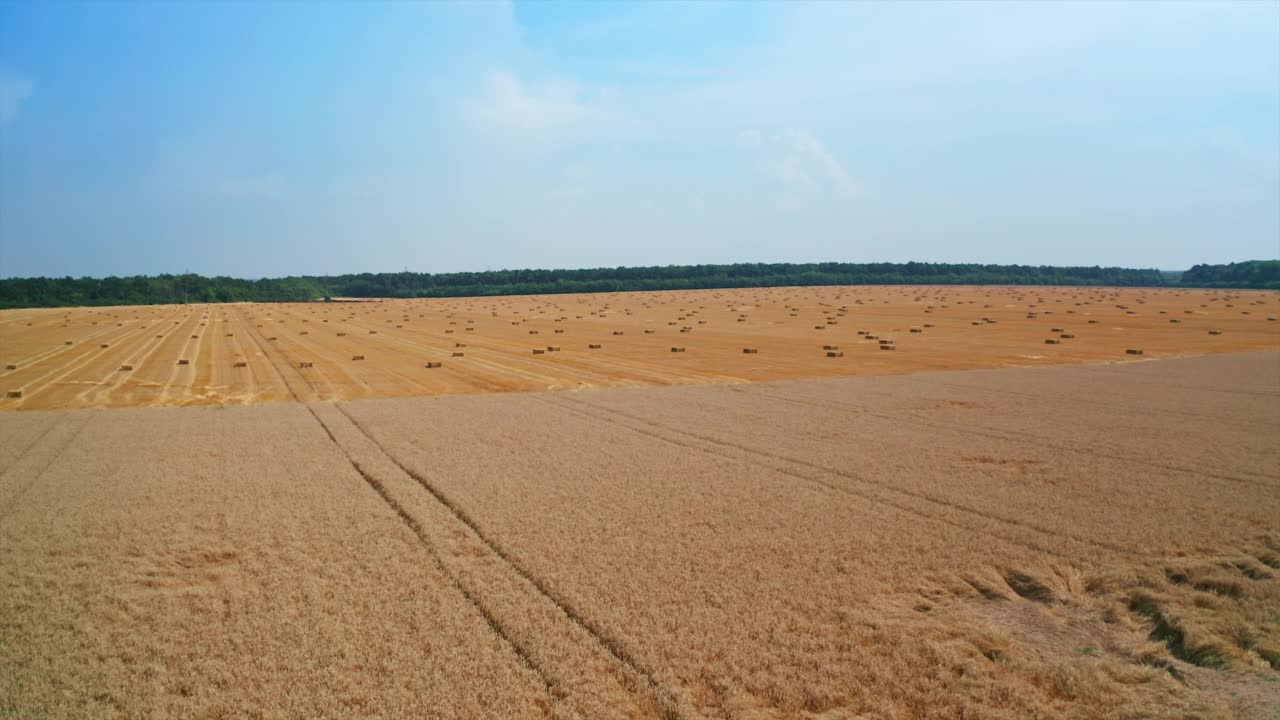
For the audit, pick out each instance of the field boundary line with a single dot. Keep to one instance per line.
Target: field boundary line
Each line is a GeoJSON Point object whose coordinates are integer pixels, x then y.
{"type": "Point", "coordinates": [664, 698]}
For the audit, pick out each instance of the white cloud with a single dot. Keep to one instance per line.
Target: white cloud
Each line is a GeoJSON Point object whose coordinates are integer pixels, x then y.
{"type": "Point", "coordinates": [14, 88]}
{"type": "Point", "coordinates": [508, 102]}
{"type": "Point", "coordinates": [811, 151]}
{"type": "Point", "coordinates": [799, 161]}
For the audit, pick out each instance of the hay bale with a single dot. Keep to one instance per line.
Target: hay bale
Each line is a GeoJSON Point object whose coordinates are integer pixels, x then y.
{"type": "Point", "coordinates": [1051, 341]}
{"type": "Point", "coordinates": [126, 368]}
{"type": "Point", "coordinates": [835, 354]}
{"type": "Point", "coordinates": [1093, 322]}
{"type": "Point", "coordinates": [105, 345]}
{"type": "Point", "coordinates": [184, 362]}
{"type": "Point", "coordinates": [67, 343]}
{"type": "Point", "coordinates": [458, 344]}
{"type": "Point", "coordinates": [306, 364]}
{"type": "Point", "coordinates": [917, 330]}
{"type": "Point", "coordinates": [342, 334]}
{"type": "Point", "coordinates": [434, 365]}
{"type": "Point", "coordinates": [1215, 332]}
{"type": "Point", "coordinates": [538, 351]}
{"type": "Point", "coordinates": [1067, 336]}
{"type": "Point", "coordinates": [830, 347]}
{"type": "Point", "coordinates": [648, 332]}
{"type": "Point", "coordinates": [240, 364]}
{"type": "Point", "coordinates": [13, 394]}
{"type": "Point", "coordinates": [594, 346]}
{"type": "Point", "coordinates": [819, 327]}
{"type": "Point", "coordinates": [617, 332]}
{"type": "Point", "coordinates": [887, 347]}
{"type": "Point", "coordinates": [11, 367]}
{"type": "Point", "coordinates": [273, 337]}
{"type": "Point", "coordinates": [1132, 351]}
{"type": "Point", "coordinates": [928, 325]}
{"type": "Point", "coordinates": [1056, 330]}
{"type": "Point", "coordinates": [450, 332]}
{"type": "Point", "coordinates": [458, 353]}
{"type": "Point", "coordinates": [677, 349]}
{"type": "Point", "coordinates": [750, 351]}
{"type": "Point", "coordinates": [470, 329]}
{"type": "Point", "coordinates": [559, 330]}
{"type": "Point", "coordinates": [357, 357]}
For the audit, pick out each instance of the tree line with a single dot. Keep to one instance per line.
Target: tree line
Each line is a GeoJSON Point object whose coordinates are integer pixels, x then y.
{"type": "Point", "coordinates": [1263, 274]}
{"type": "Point", "coordinates": [190, 288]}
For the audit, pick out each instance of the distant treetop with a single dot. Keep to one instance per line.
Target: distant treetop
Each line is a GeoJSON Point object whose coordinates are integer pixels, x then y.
{"type": "Point", "coordinates": [164, 289]}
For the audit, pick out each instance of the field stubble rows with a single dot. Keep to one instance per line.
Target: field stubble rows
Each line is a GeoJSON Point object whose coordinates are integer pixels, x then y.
{"type": "Point", "coordinates": [241, 354]}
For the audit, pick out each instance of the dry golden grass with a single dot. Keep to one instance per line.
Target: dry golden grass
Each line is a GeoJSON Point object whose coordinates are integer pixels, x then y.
{"type": "Point", "coordinates": [1099, 541]}
{"type": "Point", "coordinates": [239, 354]}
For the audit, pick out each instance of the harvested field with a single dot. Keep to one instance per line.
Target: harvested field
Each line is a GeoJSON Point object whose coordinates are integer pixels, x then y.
{"type": "Point", "coordinates": [1096, 541]}
{"type": "Point", "coordinates": [242, 354]}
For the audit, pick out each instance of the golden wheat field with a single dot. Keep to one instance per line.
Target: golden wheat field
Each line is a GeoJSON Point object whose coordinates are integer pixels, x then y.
{"type": "Point", "coordinates": [237, 354]}
{"type": "Point", "coordinates": [976, 524]}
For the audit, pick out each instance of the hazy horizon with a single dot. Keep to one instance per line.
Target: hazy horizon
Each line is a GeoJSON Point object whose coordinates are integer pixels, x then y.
{"type": "Point", "coordinates": [274, 139]}
{"type": "Point", "coordinates": [551, 269]}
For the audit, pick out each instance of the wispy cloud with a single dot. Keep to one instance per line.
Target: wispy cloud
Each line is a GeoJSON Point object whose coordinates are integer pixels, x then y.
{"type": "Point", "coordinates": [14, 88]}
{"type": "Point", "coordinates": [798, 160]}
{"type": "Point", "coordinates": [511, 103]}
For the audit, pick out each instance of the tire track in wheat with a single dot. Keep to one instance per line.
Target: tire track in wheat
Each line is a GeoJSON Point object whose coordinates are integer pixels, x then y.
{"type": "Point", "coordinates": [1008, 436]}
{"type": "Point", "coordinates": [663, 698]}
{"type": "Point", "coordinates": [735, 452]}
{"type": "Point", "coordinates": [16, 492]}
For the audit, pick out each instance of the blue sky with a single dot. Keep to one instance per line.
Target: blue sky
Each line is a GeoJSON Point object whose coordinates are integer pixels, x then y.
{"type": "Point", "coordinates": [271, 138]}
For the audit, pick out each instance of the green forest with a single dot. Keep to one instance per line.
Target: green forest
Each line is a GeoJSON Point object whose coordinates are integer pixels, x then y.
{"type": "Point", "coordinates": [189, 288]}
